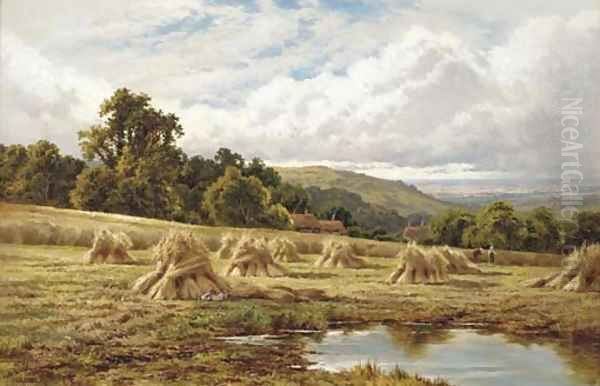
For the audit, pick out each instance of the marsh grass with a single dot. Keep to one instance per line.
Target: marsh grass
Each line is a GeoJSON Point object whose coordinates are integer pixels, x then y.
{"type": "Point", "coordinates": [371, 374]}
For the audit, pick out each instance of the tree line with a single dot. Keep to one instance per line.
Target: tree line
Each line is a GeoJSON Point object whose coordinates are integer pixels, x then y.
{"type": "Point", "coordinates": [499, 224]}
{"type": "Point", "coordinates": [132, 165]}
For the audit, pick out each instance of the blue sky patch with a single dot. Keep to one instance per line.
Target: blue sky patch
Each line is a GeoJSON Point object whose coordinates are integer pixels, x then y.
{"type": "Point", "coordinates": [270, 52]}
{"type": "Point", "coordinates": [190, 24]}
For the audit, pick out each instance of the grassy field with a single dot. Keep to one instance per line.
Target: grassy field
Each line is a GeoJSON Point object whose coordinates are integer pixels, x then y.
{"type": "Point", "coordinates": [65, 322]}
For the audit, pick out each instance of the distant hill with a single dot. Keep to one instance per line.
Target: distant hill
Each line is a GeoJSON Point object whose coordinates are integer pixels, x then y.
{"type": "Point", "coordinates": [369, 217]}
{"type": "Point", "coordinates": [395, 195]}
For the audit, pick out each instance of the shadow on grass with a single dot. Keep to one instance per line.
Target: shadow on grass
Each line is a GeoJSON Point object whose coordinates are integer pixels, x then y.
{"type": "Point", "coordinates": [374, 266]}
{"type": "Point", "coordinates": [494, 273]}
{"type": "Point", "coordinates": [462, 283]}
{"type": "Point", "coordinates": [311, 275]}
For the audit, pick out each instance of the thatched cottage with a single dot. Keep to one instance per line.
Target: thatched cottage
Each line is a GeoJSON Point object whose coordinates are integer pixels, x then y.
{"type": "Point", "coordinates": [305, 222]}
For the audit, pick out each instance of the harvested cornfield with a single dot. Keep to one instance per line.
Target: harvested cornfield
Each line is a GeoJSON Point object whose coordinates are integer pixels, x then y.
{"type": "Point", "coordinates": [376, 248]}
{"type": "Point", "coordinates": [308, 244]}
{"type": "Point", "coordinates": [251, 257]}
{"type": "Point", "coordinates": [419, 267]}
{"type": "Point", "coordinates": [339, 254]}
{"type": "Point", "coordinates": [109, 248]}
{"type": "Point", "coordinates": [458, 263]}
{"type": "Point", "coordinates": [580, 274]}
{"type": "Point", "coordinates": [228, 244]}
{"type": "Point", "coordinates": [283, 250]}
{"type": "Point", "coordinates": [183, 271]}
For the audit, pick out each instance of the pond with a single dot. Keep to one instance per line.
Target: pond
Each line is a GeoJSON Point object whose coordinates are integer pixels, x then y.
{"type": "Point", "coordinates": [463, 357]}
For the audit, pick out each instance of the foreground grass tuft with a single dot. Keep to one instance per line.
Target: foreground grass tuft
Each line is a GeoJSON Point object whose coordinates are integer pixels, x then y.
{"type": "Point", "coordinates": [10, 346]}
{"type": "Point", "coordinates": [371, 374]}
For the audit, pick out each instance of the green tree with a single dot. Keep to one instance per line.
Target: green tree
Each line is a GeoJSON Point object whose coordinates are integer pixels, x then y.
{"type": "Point", "coordinates": [131, 123]}
{"type": "Point", "coordinates": [145, 186]}
{"type": "Point", "coordinates": [278, 217]}
{"type": "Point", "coordinates": [588, 227]}
{"type": "Point", "coordinates": [267, 175]}
{"type": "Point", "coordinates": [12, 160]}
{"type": "Point", "coordinates": [136, 142]}
{"type": "Point", "coordinates": [225, 158]}
{"type": "Point", "coordinates": [196, 175]}
{"type": "Point", "coordinates": [541, 231]}
{"type": "Point", "coordinates": [236, 200]}
{"type": "Point", "coordinates": [38, 174]}
{"type": "Point", "coordinates": [341, 214]}
{"type": "Point", "coordinates": [496, 224]}
{"type": "Point", "coordinates": [96, 190]}
{"type": "Point", "coordinates": [449, 227]}
{"type": "Point", "coordinates": [293, 197]}
{"type": "Point", "coordinates": [34, 179]}
{"type": "Point", "coordinates": [66, 179]}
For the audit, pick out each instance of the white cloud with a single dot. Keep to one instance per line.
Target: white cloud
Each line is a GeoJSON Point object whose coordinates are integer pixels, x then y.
{"type": "Point", "coordinates": [444, 84]}
{"type": "Point", "coordinates": [42, 100]}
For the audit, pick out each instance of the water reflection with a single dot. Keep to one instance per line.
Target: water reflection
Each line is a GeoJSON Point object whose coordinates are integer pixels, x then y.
{"type": "Point", "coordinates": [464, 357]}
{"type": "Point", "coordinates": [415, 341]}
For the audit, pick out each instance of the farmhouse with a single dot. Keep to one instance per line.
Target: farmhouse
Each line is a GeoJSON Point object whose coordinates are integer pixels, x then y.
{"type": "Point", "coordinates": [305, 222]}
{"type": "Point", "coordinates": [333, 227]}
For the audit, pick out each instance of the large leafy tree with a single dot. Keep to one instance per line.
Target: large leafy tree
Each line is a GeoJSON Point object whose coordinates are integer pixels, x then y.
{"type": "Point", "coordinates": [236, 200]}
{"type": "Point", "coordinates": [339, 213]}
{"type": "Point", "coordinates": [130, 124]}
{"type": "Point", "coordinates": [267, 175]}
{"type": "Point", "coordinates": [293, 197]}
{"type": "Point", "coordinates": [12, 160]}
{"type": "Point", "coordinates": [541, 231]}
{"type": "Point", "coordinates": [39, 174]}
{"type": "Point", "coordinates": [225, 158]}
{"type": "Point", "coordinates": [96, 189]}
{"type": "Point", "coordinates": [449, 227]}
{"type": "Point", "coordinates": [496, 224]}
{"type": "Point", "coordinates": [196, 175]}
{"type": "Point", "coordinates": [588, 227]}
{"type": "Point", "coordinates": [136, 143]}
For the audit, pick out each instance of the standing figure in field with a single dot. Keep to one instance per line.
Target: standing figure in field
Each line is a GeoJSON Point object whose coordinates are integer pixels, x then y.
{"type": "Point", "coordinates": [491, 254]}
{"type": "Point", "coordinates": [476, 255]}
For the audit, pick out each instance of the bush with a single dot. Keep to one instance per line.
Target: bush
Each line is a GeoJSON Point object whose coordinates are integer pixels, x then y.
{"type": "Point", "coordinates": [247, 318]}
{"type": "Point", "coordinates": [300, 319]}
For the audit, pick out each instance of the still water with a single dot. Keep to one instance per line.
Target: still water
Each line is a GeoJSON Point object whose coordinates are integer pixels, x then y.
{"type": "Point", "coordinates": [463, 357]}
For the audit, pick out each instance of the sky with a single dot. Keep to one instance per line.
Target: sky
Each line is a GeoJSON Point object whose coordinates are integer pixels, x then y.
{"type": "Point", "coordinates": [399, 89]}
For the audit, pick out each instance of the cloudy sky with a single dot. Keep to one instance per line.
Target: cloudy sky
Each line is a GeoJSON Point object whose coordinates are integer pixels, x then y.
{"type": "Point", "coordinates": [395, 88]}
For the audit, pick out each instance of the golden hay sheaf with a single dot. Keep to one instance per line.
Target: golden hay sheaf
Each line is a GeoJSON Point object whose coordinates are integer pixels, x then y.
{"type": "Point", "coordinates": [251, 257]}
{"type": "Point", "coordinates": [458, 263]}
{"type": "Point", "coordinates": [581, 272]}
{"type": "Point", "coordinates": [228, 244]}
{"type": "Point", "coordinates": [283, 250]}
{"type": "Point", "coordinates": [109, 248]}
{"type": "Point", "coordinates": [419, 267]}
{"type": "Point", "coordinates": [183, 270]}
{"type": "Point", "coordinates": [339, 254]}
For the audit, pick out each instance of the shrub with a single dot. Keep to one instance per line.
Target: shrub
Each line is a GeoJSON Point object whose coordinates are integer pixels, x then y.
{"type": "Point", "coordinates": [247, 318]}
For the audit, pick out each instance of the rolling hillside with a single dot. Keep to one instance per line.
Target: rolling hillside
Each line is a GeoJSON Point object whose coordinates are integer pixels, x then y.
{"type": "Point", "coordinates": [389, 194]}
